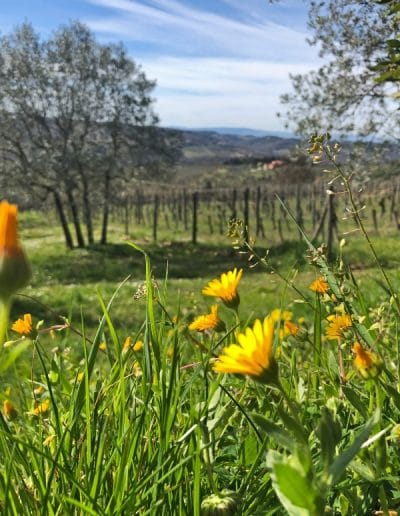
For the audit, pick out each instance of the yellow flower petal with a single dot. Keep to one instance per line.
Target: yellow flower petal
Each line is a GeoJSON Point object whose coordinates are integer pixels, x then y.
{"type": "Point", "coordinates": [225, 288]}
{"type": "Point", "coordinates": [252, 355]}
{"type": "Point", "coordinates": [209, 321]}
{"type": "Point", "coordinates": [23, 326]}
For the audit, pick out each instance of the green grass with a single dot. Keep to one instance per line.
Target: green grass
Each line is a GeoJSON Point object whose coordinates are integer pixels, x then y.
{"type": "Point", "coordinates": [67, 282]}
{"type": "Point", "coordinates": [159, 442]}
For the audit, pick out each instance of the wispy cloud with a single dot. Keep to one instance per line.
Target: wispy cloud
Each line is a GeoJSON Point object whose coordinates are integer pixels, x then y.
{"type": "Point", "coordinates": [222, 64]}
{"type": "Point", "coordinates": [189, 30]}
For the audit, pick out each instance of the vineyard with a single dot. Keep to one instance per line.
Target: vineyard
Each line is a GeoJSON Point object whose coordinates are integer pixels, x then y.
{"type": "Point", "coordinates": [185, 215]}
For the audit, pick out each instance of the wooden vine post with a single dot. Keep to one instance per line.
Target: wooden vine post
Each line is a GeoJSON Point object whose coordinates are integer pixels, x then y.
{"type": "Point", "coordinates": [246, 214]}
{"type": "Point", "coordinates": [195, 203]}
{"type": "Point", "coordinates": [155, 217]}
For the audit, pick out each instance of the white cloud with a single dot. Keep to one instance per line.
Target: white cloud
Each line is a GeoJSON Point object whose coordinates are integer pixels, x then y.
{"type": "Point", "coordinates": [219, 92]}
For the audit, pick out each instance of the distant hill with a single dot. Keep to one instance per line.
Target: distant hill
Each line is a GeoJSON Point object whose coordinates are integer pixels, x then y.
{"type": "Point", "coordinates": [239, 131]}
{"type": "Point", "coordinates": [209, 147]}
{"type": "Point", "coordinates": [212, 156]}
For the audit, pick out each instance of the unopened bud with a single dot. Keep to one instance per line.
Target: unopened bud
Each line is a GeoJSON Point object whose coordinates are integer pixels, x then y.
{"type": "Point", "coordinates": [15, 271]}
{"type": "Point", "coordinates": [226, 503]}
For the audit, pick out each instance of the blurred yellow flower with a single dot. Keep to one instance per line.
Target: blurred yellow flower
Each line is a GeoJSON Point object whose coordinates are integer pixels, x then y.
{"type": "Point", "coordinates": [38, 390]}
{"type": "Point", "coordinates": [138, 345]}
{"type": "Point", "coordinates": [136, 369]}
{"type": "Point", "coordinates": [282, 319]}
{"type": "Point", "coordinates": [252, 355]}
{"type": "Point", "coordinates": [209, 321]}
{"type": "Point", "coordinates": [49, 440]}
{"type": "Point", "coordinates": [80, 376]}
{"type": "Point", "coordinates": [367, 363]}
{"type": "Point", "coordinates": [292, 328]}
{"type": "Point", "coordinates": [225, 288]}
{"type": "Point", "coordinates": [102, 346]}
{"type": "Point", "coordinates": [279, 315]}
{"type": "Point", "coordinates": [127, 343]}
{"type": "Point", "coordinates": [41, 408]}
{"type": "Point", "coordinates": [23, 326]}
{"type": "Point", "coordinates": [319, 285]}
{"type": "Point", "coordinates": [338, 324]}
{"type": "Point", "coordinates": [9, 411]}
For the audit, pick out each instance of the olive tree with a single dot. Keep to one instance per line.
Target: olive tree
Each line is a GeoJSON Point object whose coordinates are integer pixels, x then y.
{"type": "Point", "coordinates": [344, 94]}
{"type": "Point", "coordinates": [76, 120]}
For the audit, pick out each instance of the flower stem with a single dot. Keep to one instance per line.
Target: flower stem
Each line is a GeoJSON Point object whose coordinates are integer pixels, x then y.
{"type": "Point", "coordinates": [5, 307]}
{"type": "Point", "coordinates": [317, 342]}
{"type": "Point", "coordinates": [342, 372]}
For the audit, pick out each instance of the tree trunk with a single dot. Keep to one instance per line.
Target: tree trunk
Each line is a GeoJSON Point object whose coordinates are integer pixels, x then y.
{"type": "Point", "coordinates": [87, 210]}
{"type": "Point", "coordinates": [195, 203]}
{"type": "Point", "coordinates": [75, 219]}
{"type": "Point", "coordinates": [63, 220]}
{"type": "Point", "coordinates": [106, 208]}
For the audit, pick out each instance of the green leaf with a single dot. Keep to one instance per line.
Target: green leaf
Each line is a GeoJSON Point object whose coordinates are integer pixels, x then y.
{"type": "Point", "coordinates": [277, 433]}
{"type": "Point", "coordinates": [329, 432]}
{"type": "Point", "coordinates": [393, 43]}
{"type": "Point", "coordinates": [364, 470]}
{"type": "Point", "coordinates": [341, 463]}
{"type": "Point", "coordinates": [393, 394]}
{"type": "Point", "coordinates": [355, 400]}
{"type": "Point", "coordinates": [292, 425]}
{"type": "Point", "coordinates": [250, 450]}
{"type": "Point", "coordinates": [295, 487]}
{"type": "Point", "coordinates": [10, 354]}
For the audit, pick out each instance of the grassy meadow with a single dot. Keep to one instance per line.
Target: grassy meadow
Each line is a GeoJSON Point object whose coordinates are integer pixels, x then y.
{"type": "Point", "coordinates": [67, 282]}
{"type": "Point", "coordinates": [113, 405]}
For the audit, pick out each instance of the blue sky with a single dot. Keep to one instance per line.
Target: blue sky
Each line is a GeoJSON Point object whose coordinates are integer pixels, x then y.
{"type": "Point", "coordinates": [218, 63]}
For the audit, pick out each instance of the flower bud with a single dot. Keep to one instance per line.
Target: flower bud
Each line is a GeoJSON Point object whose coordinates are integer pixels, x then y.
{"type": "Point", "coordinates": [9, 411]}
{"type": "Point", "coordinates": [15, 271]}
{"type": "Point", "coordinates": [367, 363]}
{"type": "Point", "coordinates": [224, 504]}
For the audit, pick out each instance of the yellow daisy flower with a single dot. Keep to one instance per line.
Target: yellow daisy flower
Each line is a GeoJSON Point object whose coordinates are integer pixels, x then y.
{"type": "Point", "coordinates": [209, 321]}
{"type": "Point", "coordinates": [138, 345]}
{"type": "Point", "coordinates": [41, 408]}
{"type": "Point", "coordinates": [23, 326]}
{"type": "Point", "coordinates": [252, 355]}
{"type": "Point", "coordinates": [9, 411]}
{"type": "Point", "coordinates": [367, 363]}
{"type": "Point", "coordinates": [319, 285]}
{"type": "Point", "coordinates": [225, 288]}
{"type": "Point", "coordinates": [338, 324]}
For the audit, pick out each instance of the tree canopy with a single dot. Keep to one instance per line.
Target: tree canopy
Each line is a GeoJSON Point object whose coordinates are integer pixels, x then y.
{"type": "Point", "coordinates": [77, 123]}
{"type": "Point", "coordinates": [346, 94]}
